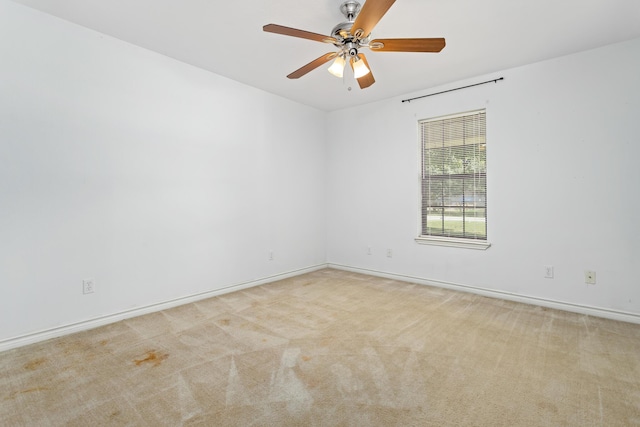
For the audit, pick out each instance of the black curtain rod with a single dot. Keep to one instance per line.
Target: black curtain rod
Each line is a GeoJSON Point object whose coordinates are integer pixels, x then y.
{"type": "Point", "coordinates": [451, 90]}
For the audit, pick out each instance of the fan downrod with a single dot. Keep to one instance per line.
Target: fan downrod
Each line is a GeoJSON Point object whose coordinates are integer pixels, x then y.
{"type": "Point", "coordinates": [350, 9]}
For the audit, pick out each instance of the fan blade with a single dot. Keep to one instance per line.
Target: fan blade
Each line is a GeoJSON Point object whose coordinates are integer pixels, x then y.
{"type": "Point", "coordinates": [286, 31]}
{"type": "Point", "coordinates": [312, 65]}
{"type": "Point", "coordinates": [407, 45]}
{"type": "Point", "coordinates": [371, 13]}
{"type": "Point", "coordinates": [366, 80]}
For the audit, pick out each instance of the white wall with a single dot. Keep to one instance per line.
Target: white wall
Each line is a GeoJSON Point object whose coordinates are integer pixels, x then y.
{"type": "Point", "coordinates": [563, 173]}
{"type": "Point", "coordinates": [160, 180]}
{"type": "Point", "coordinates": [157, 179]}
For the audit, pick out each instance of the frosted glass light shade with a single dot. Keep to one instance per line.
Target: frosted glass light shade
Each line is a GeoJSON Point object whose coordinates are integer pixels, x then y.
{"type": "Point", "coordinates": [337, 68]}
{"type": "Point", "coordinates": [359, 68]}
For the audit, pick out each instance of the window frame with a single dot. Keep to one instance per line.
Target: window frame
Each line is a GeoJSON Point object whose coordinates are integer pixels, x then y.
{"type": "Point", "coordinates": [460, 242]}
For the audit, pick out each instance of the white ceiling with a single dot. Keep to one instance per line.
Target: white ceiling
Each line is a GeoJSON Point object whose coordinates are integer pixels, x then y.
{"type": "Point", "coordinates": [226, 38]}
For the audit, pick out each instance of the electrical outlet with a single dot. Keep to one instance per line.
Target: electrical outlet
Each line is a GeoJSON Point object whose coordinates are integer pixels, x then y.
{"type": "Point", "coordinates": [589, 277]}
{"type": "Point", "coordinates": [389, 253]}
{"type": "Point", "coordinates": [548, 271]}
{"type": "Point", "coordinates": [88, 286]}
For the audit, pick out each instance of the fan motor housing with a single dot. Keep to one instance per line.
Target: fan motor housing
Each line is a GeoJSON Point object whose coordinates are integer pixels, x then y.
{"type": "Point", "coordinates": [342, 32]}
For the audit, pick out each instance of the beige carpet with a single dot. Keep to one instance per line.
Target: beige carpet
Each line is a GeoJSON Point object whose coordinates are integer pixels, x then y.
{"type": "Point", "coordinates": [333, 348]}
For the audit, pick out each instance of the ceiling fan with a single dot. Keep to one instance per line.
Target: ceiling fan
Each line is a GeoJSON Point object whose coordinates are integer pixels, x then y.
{"type": "Point", "coordinates": [352, 36]}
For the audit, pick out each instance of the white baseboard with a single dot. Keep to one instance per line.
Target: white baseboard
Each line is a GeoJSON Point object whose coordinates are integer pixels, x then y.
{"type": "Point", "coordinates": [560, 305]}
{"type": "Point", "coordinates": [35, 337]}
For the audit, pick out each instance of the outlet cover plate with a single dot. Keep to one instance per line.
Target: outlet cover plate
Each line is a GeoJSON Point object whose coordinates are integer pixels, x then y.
{"type": "Point", "coordinates": [88, 286]}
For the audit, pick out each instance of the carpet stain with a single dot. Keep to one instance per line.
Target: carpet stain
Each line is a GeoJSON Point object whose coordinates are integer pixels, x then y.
{"type": "Point", "coordinates": [306, 358]}
{"type": "Point", "coordinates": [225, 322]}
{"type": "Point", "coordinates": [152, 357]}
{"type": "Point", "coordinates": [29, 390]}
{"type": "Point", "coordinates": [547, 406]}
{"type": "Point", "coordinates": [35, 364]}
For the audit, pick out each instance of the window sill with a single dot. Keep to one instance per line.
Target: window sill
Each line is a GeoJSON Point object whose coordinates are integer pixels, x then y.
{"type": "Point", "coordinates": [453, 242]}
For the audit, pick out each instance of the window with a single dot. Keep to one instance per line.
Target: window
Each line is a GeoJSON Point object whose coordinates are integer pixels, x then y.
{"type": "Point", "coordinates": [454, 180]}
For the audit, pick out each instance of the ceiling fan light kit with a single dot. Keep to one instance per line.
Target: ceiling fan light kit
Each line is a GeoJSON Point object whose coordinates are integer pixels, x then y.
{"type": "Point", "coordinates": [337, 68]}
{"type": "Point", "coordinates": [352, 36]}
{"type": "Point", "coordinates": [359, 67]}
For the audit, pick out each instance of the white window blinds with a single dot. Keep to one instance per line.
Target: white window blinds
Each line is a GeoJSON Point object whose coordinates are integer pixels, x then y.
{"type": "Point", "coordinates": [454, 176]}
